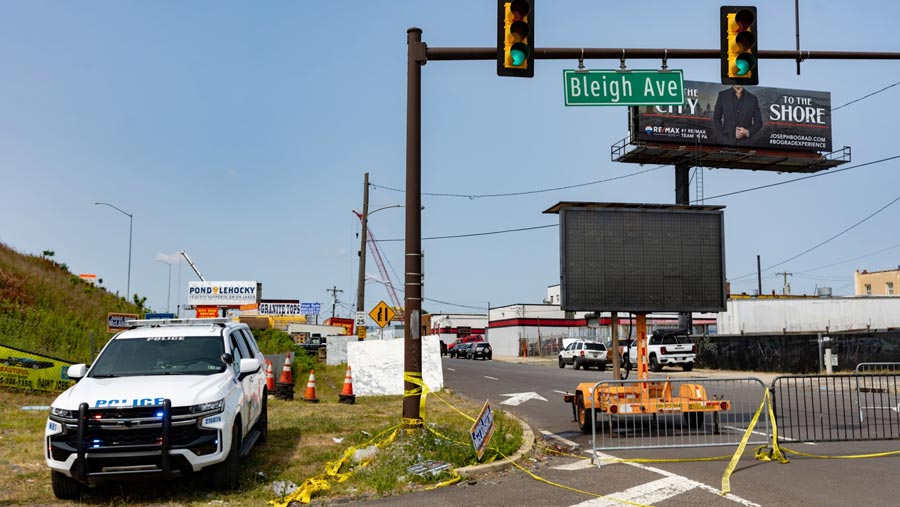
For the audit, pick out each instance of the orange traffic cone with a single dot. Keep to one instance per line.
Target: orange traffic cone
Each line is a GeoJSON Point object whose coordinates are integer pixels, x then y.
{"type": "Point", "coordinates": [310, 394]}
{"type": "Point", "coordinates": [270, 377]}
{"type": "Point", "coordinates": [286, 377]}
{"type": "Point", "coordinates": [347, 395]}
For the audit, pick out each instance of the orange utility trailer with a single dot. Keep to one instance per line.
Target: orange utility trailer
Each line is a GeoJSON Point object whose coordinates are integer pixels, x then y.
{"type": "Point", "coordinates": [644, 397]}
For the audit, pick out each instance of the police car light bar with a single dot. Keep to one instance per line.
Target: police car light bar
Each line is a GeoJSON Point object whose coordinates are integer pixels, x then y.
{"type": "Point", "coordinates": [176, 322]}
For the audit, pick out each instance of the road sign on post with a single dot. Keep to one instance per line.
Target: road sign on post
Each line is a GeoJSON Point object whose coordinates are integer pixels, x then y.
{"type": "Point", "coordinates": [613, 88]}
{"type": "Point", "coordinates": [382, 314]}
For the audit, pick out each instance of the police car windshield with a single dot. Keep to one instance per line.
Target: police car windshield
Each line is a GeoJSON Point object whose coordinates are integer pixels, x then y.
{"type": "Point", "coordinates": [160, 355]}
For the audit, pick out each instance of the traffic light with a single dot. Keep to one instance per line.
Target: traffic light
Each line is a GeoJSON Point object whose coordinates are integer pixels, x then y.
{"type": "Point", "coordinates": [739, 45]}
{"type": "Point", "coordinates": [515, 38]}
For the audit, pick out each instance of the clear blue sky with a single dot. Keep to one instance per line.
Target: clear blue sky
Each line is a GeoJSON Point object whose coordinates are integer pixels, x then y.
{"type": "Point", "coordinates": [239, 132]}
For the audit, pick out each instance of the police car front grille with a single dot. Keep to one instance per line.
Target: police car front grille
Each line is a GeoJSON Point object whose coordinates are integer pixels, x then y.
{"type": "Point", "coordinates": [124, 413]}
{"type": "Point", "coordinates": [116, 438]}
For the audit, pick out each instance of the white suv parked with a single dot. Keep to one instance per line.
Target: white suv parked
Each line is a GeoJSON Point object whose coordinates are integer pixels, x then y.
{"type": "Point", "coordinates": [583, 354]}
{"type": "Point", "coordinates": [164, 398]}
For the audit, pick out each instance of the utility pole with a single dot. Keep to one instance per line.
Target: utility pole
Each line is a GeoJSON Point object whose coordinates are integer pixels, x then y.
{"type": "Point", "coordinates": [334, 290]}
{"type": "Point", "coordinates": [758, 278]}
{"type": "Point", "coordinates": [787, 287]}
{"type": "Point", "coordinates": [361, 282]}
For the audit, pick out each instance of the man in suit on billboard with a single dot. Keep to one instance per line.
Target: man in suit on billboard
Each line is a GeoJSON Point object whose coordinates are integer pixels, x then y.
{"type": "Point", "coordinates": [736, 116]}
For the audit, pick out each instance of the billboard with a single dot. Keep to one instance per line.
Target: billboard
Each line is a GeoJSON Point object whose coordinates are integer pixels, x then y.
{"type": "Point", "coordinates": [641, 258]}
{"type": "Point", "coordinates": [757, 118]}
{"type": "Point", "coordinates": [222, 293]}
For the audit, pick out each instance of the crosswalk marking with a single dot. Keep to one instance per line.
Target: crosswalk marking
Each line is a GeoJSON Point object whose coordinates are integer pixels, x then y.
{"type": "Point", "coordinates": [575, 465]}
{"type": "Point", "coordinates": [645, 494]}
{"type": "Point", "coordinates": [649, 493]}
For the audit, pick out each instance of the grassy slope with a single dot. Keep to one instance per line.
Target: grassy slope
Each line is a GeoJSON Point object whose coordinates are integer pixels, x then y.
{"type": "Point", "coordinates": [44, 308]}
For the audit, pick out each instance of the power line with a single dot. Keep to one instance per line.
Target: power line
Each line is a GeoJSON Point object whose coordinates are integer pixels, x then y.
{"type": "Point", "coordinates": [856, 258]}
{"type": "Point", "coordinates": [526, 192]}
{"type": "Point", "coordinates": [824, 242]}
{"type": "Point", "coordinates": [479, 233]}
{"type": "Point", "coordinates": [833, 109]}
{"type": "Point", "coordinates": [833, 171]}
{"type": "Point", "coordinates": [830, 172]}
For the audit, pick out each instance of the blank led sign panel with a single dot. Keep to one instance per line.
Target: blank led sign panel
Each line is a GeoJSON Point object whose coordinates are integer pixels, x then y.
{"type": "Point", "coordinates": [642, 260]}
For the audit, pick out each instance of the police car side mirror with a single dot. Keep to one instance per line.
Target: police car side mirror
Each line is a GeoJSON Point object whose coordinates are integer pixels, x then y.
{"type": "Point", "coordinates": [76, 371]}
{"type": "Point", "coordinates": [227, 358]}
{"type": "Point", "coordinates": [249, 366]}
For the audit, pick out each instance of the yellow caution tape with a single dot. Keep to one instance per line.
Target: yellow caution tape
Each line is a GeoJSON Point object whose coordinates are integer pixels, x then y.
{"type": "Point", "coordinates": [421, 390]}
{"type": "Point", "coordinates": [726, 477]}
{"type": "Point", "coordinates": [332, 473]}
{"type": "Point", "coordinates": [852, 456]}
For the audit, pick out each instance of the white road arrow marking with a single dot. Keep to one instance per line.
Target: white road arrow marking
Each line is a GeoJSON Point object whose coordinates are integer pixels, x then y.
{"type": "Point", "coordinates": [519, 398]}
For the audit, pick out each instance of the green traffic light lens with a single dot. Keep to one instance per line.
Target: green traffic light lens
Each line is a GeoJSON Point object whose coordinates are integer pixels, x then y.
{"type": "Point", "coordinates": [517, 56]}
{"type": "Point", "coordinates": [518, 53]}
{"type": "Point", "coordinates": [744, 64]}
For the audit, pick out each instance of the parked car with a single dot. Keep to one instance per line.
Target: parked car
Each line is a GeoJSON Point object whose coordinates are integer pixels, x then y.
{"type": "Point", "coordinates": [481, 350]}
{"type": "Point", "coordinates": [583, 354]}
{"type": "Point", "coordinates": [670, 347]}
{"type": "Point", "coordinates": [453, 351]}
{"type": "Point", "coordinates": [623, 352]}
{"type": "Point", "coordinates": [462, 350]}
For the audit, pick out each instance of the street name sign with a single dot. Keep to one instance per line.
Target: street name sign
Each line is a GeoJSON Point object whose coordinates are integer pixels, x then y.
{"type": "Point", "coordinates": [632, 88]}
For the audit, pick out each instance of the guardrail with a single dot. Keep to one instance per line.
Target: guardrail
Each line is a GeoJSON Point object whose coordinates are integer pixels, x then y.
{"type": "Point", "coordinates": [722, 419]}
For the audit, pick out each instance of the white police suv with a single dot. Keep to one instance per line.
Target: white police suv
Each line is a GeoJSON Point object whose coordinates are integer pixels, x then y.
{"type": "Point", "coordinates": [164, 398]}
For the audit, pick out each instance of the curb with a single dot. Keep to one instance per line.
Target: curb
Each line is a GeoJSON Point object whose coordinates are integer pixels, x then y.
{"type": "Point", "coordinates": [527, 445]}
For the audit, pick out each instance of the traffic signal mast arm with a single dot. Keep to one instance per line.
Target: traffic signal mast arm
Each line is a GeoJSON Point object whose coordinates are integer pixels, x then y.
{"type": "Point", "coordinates": [445, 54]}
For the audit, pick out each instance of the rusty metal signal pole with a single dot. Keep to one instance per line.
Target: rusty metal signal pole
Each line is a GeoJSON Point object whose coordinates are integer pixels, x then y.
{"type": "Point", "coordinates": [417, 55]}
{"type": "Point", "coordinates": [412, 360]}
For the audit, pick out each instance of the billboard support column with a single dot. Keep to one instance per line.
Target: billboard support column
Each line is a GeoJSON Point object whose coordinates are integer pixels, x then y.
{"type": "Point", "coordinates": [683, 196]}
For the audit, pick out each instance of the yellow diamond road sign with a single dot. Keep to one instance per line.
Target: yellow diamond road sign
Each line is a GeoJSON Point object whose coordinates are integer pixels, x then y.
{"type": "Point", "coordinates": [382, 314]}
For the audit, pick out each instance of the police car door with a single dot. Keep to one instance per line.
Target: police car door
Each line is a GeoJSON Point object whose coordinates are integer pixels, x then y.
{"type": "Point", "coordinates": [249, 407]}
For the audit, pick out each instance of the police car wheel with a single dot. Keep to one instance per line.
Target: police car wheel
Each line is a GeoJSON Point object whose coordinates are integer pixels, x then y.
{"type": "Point", "coordinates": [227, 474]}
{"type": "Point", "coordinates": [262, 424]}
{"type": "Point", "coordinates": [65, 487]}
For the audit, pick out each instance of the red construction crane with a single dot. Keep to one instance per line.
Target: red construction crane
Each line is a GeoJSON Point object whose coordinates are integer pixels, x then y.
{"type": "Point", "coordinates": [376, 252]}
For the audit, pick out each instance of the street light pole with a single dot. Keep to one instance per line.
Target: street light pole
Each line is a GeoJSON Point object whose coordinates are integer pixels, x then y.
{"type": "Point", "coordinates": [169, 290]}
{"type": "Point", "coordinates": [130, 228]}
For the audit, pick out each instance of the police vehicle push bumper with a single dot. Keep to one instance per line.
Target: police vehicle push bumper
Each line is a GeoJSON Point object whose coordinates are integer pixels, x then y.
{"type": "Point", "coordinates": [154, 440]}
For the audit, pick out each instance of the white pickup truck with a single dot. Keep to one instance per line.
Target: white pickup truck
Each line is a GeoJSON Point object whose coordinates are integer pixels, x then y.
{"type": "Point", "coordinates": [669, 347]}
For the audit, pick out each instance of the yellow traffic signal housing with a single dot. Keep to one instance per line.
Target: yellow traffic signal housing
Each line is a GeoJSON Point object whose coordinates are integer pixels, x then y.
{"type": "Point", "coordinates": [738, 45]}
{"type": "Point", "coordinates": [515, 38]}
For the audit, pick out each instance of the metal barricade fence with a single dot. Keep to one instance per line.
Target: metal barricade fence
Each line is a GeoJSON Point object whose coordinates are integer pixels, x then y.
{"type": "Point", "coordinates": [831, 408]}
{"type": "Point", "coordinates": [878, 368]}
{"type": "Point", "coordinates": [720, 417]}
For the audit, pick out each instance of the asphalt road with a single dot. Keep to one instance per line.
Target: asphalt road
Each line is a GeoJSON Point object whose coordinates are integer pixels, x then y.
{"type": "Point", "coordinates": [569, 481]}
